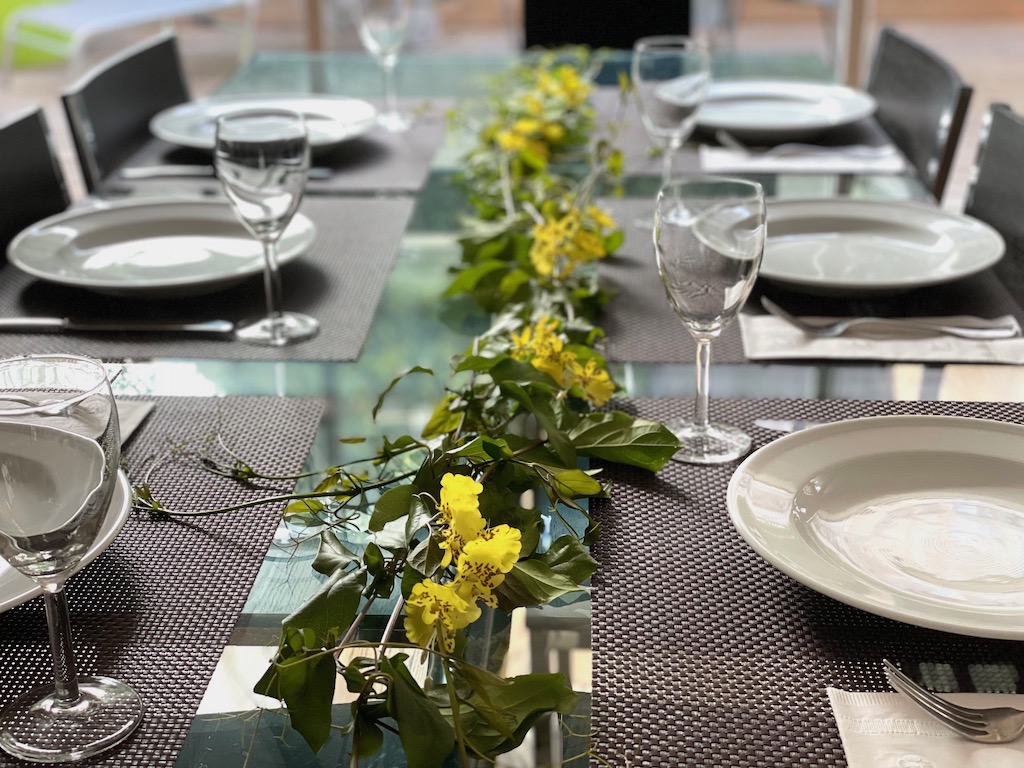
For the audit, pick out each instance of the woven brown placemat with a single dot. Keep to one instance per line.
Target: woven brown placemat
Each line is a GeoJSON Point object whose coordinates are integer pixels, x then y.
{"type": "Point", "coordinates": [706, 655]}
{"type": "Point", "coordinates": [339, 282]}
{"type": "Point", "coordinates": [156, 609]}
{"type": "Point", "coordinates": [640, 323]}
{"type": "Point", "coordinates": [377, 161]}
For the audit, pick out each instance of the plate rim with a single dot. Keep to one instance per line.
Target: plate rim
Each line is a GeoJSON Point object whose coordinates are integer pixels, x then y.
{"type": "Point", "coordinates": [872, 204]}
{"type": "Point", "coordinates": [30, 589]}
{"type": "Point", "coordinates": [865, 105]}
{"type": "Point", "coordinates": [958, 621]}
{"type": "Point", "coordinates": [185, 281]}
{"type": "Point", "coordinates": [159, 130]}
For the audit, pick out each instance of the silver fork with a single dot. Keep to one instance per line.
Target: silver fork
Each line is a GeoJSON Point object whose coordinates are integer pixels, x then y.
{"type": "Point", "coordinates": [838, 328]}
{"type": "Point", "coordinates": [993, 725]}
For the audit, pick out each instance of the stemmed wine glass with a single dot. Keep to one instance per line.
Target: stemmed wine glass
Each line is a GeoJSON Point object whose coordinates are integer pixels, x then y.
{"type": "Point", "coordinates": [708, 238]}
{"type": "Point", "coordinates": [59, 452]}
{"type": "Point", "coordinates": [262, 159]}
{"type": "Point", "coordinates": [383, 25]}
{"type": "Point", "coordinates": [670, 76]}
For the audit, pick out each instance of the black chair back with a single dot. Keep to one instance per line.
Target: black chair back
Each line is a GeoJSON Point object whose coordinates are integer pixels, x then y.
{"type": "Point", "coordinates": [996, 193]}
{"type": "Point", "coordinates": [922, 103]}
{"type": "Point", "coordinates": [601, 23]}
{"type": "Point", "coordinates": [31, 181]}
{"type": "Point", "coordinates": [110, 108]}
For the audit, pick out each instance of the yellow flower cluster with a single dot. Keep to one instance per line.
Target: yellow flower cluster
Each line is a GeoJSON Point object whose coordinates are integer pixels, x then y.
{"type": "Point", "coordinates": [564, 83]}
{"type": "Point", "coordinates": [483, 555]}
{"type": "Point", "coordinates": [542, 346]}
{"type": "Point", "coordinates": [530, 134]}
{"type": "Point", "coordinates": [563, 242]}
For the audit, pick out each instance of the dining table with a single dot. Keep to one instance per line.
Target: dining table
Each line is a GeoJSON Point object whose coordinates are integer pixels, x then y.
{"type": "Point", "coordinates": [691, 646]}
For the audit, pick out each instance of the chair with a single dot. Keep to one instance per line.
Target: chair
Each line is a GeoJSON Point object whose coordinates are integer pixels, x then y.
{"type": "Point", "coordinates": [601, 23]}
{"type": "Point", "coordinates": [922, 103]}
{"type": "Point", "coordinates": [31, 182]}
{"type": "Point", "coordinates": [996, 191]}
{"type": "Point", "coordinates": [109, 109]}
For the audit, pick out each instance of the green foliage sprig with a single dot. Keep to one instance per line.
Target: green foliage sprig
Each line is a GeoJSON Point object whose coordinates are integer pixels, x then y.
{"type": "Point", "coordinates": [455, 517]}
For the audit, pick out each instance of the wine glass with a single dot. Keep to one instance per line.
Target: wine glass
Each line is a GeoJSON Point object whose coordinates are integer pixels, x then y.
{"type": "Point", "coordinates": [262, 159]}
{"type": "Point", "coordinates": [670, 78]}
{"type": "Point", "coordinates": [708, 238]}
{"type": "Point", "coordinates": [383, 25]}
{"type": "Point", "coordinates": [59, 452]}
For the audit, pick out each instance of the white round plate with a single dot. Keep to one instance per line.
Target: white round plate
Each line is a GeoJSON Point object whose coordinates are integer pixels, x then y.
{"type": "Point", "coordinates": [766, 111]}
{"type": "Point", "coordinates": [156, 247]}
{"type": "Point", "coordinates": [917, 518]}
{"type": "Point", "coordinates": [848, 246]}
{"type": "Point", "coordinates": [16, 589]}
{"type": "Point", "coordinates": [329, 119]}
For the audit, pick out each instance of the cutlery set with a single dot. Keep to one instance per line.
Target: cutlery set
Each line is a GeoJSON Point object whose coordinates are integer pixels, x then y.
{"type": "Point", "coordinates": [187, 171]}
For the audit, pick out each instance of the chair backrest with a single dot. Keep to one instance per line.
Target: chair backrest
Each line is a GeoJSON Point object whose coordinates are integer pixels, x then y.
{"type": "Point", "coordinates": [922, 103]}
{"type": "Point", "coordinates": [996, 192]}
{"type": "Point", "coordinates": [601, 23]}
{"type": "Point", "coordinates": [109, 109]}
{"type": "Point", "coordinates": [31, 181]}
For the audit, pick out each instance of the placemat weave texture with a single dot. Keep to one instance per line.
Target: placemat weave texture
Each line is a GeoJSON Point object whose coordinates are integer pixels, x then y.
{"type": "Point", "coordinates": [706, 655]}
{"type": "Point", "coordinates": [377, 161]}
{"type": "Point", "coordinates": [339, 282]}
{"type": "Point", "coordinates": [157, 608]}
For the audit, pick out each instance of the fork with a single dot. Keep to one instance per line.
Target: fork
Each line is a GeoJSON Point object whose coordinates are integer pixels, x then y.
{"type": "Point", "coordinates": [831, 330]}
{"type": "Point", "coordinates": [863, 151]}
{"type": "Point", "coordinates": [993, 725]}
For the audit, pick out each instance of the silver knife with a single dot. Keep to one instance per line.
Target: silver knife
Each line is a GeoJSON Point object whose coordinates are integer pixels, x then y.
{"type": "Point", "coordinates": [217, 328]}
{"type": "Point", "coordinates": [157, 171]}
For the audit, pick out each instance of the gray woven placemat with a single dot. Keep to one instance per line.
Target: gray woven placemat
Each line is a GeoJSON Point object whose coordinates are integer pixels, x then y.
{"type": "Point", "coordinates": [377, 161]}
{"type": "Point", "coordinates": [156, 609]}
{"type": "Point", "coordinates": [639, 321]}
{"type": "Point", "coordinates": [706, 655]}
{"type": "Point", "coordinates": [339, 282]}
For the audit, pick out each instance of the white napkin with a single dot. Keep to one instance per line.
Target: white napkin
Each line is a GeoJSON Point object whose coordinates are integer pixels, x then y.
{"type": "Point", "coordinates": [766, 337]}
{"type": "Point", "coordinates": [885, 730]}
{"type": "Point", "coordinates": [726, 160]}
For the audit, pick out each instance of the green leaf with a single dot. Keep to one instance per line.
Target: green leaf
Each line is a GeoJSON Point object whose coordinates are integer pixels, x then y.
{"type": "Point", "coordinates": [394, 504]}
{"type": "Point", "coordinates": [533, 582]}
{"type": "Point", "coordinates": [568, 557]}
{"type": "Point", "coordinates": [575, 484]}
{"type": "Point", "coordinates": [470, 277]}
{"type": "Point", "coordinates": [394, 381]}
{"type": "Point", "coordinates": [332, 555]}
{"type": "Point", "coordinates": [621, 438]}
{"type": "Point", "coordinates": [333, 607]}
{"type": "Point", "coordinates": [367, 736]}
{"type": "Point", "coordinates": [443, 420]}
{"type": "Point", "coordinates": [427, 738]}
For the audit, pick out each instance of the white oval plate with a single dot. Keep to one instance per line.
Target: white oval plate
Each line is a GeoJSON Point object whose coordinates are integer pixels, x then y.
{"type": "Point", "coordinates": [156, 247]}
{"type": "Point", "coordinates": [781, 110]}
{"type": "Point", "coordinates": [845, 246]}
{"type": "Point", "coordinates": [329, 119]}
{"type": "Point", "coordinates": [16, 588]}
{"type": "Point", "coordinates": [917, 518]}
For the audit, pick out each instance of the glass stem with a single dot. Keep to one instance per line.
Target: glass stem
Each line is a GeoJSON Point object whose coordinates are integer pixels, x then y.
{"type": "Point", "coordinates": [271, 279]}
{"type": "Point", "coordinates": [390, 92]}
{"type": "Point", "coordinates": [58, 623]}
{"type": "Point", "coordinates": [668, 158]}
{"type": "Point", "coordinates": [700, 406]}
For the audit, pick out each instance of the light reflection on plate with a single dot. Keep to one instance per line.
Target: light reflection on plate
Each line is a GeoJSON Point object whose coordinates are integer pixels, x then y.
{"type": "Point", "coordinates": [150, 246]}
{"type": "Point", "coordinates": [918, 518]}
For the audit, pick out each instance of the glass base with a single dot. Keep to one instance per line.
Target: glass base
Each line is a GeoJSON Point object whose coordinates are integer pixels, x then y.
{"type": "Point", "coordinates": [716, 444]}
{"type": "Point", "coordinates": [282, 330]}
{"type": "Point", "coordinates": [395, 122]}
{"type": "Point", "coordinates": [36, 727]}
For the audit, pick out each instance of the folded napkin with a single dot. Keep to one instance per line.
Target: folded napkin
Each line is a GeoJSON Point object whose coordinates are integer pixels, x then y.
{"type": "Point", "coordinates": [766, 337]}
{"type": "Point", "coordinates": [885, 730]}
{"type": "Point", "coordinates": [813, 160]}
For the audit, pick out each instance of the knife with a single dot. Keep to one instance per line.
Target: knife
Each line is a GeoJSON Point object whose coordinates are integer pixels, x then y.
{"type": "Point", "coordinates": [786, 425]}
{"type": "Point", "coordinates": [223, 329]}
{"type": "Point", "coordinates": [156, 171]}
